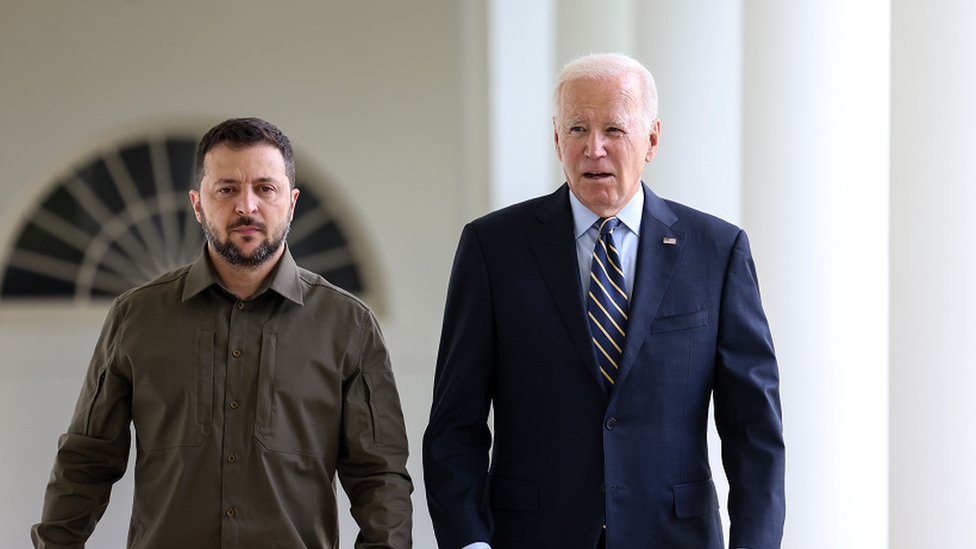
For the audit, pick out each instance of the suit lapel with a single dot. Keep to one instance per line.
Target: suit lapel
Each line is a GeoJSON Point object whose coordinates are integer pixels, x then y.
{"type": "Point", "coordinates": [656, 261]}
{"type": "Point", "coordinates": [554, 246]}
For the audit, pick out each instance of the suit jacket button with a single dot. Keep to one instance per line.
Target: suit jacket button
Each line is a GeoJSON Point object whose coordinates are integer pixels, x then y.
{"type": "Point", "coordinates": [603, 487]}
{"type": "Point", "coordinates": [611, 423]}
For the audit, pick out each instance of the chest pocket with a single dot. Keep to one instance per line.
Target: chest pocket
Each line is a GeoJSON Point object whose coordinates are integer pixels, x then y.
{"type": "Point", "coordinates": [677, 323]}
{"type": "Point", "coordinates": [299, 404]}
{"type": "Point", "coordinates": [172, 403]}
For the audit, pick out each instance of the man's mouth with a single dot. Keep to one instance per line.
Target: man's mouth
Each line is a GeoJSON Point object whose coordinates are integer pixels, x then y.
{"type": "Point", "coordinates": [597, 175]}
{"type": "Point", "coordinates": [247, 226]}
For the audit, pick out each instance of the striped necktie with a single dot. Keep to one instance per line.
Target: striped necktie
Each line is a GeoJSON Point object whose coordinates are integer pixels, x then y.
{"type": "Point", "coordinates": [607, 303]}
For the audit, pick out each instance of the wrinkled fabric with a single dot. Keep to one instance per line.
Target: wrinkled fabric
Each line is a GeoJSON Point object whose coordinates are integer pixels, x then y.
{"type": "Point", "coordinates": [244, 413]}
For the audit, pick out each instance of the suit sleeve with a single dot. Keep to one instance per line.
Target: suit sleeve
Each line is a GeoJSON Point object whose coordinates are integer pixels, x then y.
{"type": "Point", "coordinates": [93, 454]}
{"type": "Point", "coordinates": [457, 439]}
{"type": "Point", "coordinates": [747, 409]}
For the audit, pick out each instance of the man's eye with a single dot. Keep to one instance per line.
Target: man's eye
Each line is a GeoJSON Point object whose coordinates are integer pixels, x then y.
{"type": "Point", "coordinates": [266, 189]}
{"type": "Point", "coordinates": [576, 129]}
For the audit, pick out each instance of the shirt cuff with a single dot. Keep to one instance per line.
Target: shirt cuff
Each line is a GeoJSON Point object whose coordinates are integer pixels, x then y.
{"type": "Point", "coordinates": [477, 545]}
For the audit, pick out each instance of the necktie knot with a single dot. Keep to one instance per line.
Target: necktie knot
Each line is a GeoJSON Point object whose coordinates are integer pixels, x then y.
{"type": "Point", "coordinates": [607, 224]}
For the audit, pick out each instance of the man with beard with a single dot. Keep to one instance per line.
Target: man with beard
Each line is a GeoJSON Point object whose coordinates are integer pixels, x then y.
{"type": "Point", "coordinates": [250, 382]}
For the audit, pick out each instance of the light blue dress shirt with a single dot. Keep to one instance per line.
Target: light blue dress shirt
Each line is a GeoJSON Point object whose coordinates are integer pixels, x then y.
{"type": "Point", "coordinates": [626, 236]}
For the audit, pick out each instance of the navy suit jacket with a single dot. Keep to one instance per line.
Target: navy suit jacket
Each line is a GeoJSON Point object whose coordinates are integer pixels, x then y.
{"type": "Point", "coordinates": [566, 458]}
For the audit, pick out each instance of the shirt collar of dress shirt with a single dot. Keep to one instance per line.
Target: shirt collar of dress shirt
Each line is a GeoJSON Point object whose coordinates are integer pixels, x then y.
{"type": "Point", "coordinates": [630, 215]}
{"type": "Point", "coordinates": [284, 279]}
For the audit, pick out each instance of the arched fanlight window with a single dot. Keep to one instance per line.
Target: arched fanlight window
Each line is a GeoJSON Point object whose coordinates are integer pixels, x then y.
{"type": "Point", "coordinates": [124, 217]}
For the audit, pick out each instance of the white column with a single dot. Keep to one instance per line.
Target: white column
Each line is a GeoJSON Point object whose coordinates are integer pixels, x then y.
{"type": "Point", "coordinates": [694, 50]}
{"type": "Point", "coordinates": [816, 168]}
{"type": "Point", "coordinates": [584, 27]}
{"type": "Point", "coordinates": [520, 71]}
{"type": "Point", "coordinates": [933, 274]}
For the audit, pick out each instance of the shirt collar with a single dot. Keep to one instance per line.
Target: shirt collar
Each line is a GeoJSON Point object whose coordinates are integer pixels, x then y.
{"type": "Point", "coordinates": [284, 279]}
{"type": "Point", "coordinates": [630, 215]}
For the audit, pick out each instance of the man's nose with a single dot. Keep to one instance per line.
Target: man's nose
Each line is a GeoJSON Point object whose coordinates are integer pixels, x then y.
{"type": "Point", "coordinates": [595, 145]}
{"type": "Point", "coordinates": [247, 202]}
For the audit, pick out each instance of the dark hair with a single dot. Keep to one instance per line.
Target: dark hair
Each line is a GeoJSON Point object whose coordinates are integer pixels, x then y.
{"type": "Point", "coordinates": [239, 133]}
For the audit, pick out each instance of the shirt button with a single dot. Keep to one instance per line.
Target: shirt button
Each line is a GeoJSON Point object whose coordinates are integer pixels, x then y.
{"type": "Point", "coordinates": [234, 404]}
{"type": "Point", "coordinates": [611, 423]}
{"type": "Point", "coordinates": [240, 305]}
{"type": "Point", "coordinates": [231, 458]}
{"type": "Point", "coordinates": [237, 353]}
{"type": "Point", "coordinates": [231, 512]}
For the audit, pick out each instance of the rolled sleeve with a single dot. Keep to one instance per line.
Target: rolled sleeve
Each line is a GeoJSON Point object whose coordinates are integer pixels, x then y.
{"type": "Point", "coordinates": [93, 454]}
{"type": "Point", "coordinates": [372, 464]}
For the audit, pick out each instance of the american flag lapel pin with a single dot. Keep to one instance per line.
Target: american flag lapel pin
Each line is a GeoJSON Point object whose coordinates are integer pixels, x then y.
{"type": "Point", "coordinates": [670, 241]}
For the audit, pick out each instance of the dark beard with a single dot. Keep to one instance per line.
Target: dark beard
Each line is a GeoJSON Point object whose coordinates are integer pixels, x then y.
{"type": "Point", "coordinates": [233, 255]}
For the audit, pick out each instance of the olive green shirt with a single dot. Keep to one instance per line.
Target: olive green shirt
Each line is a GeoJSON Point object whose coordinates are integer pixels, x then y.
{"type": "Point", "coordinates": [244, 411]}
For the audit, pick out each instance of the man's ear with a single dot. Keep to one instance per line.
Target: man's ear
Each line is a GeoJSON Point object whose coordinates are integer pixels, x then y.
{"type": "Point", "coordinates": [195, 201]}
{"type": "Point", "coordinates": [555, 135]}
{"type": "Point", "coordinates": [294, 200]}
{"type": "Point", "coordinates": [652, 140]}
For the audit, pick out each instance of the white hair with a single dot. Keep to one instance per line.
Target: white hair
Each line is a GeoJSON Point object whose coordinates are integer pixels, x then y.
{"type": "Point", "coordinates": [605, 65]}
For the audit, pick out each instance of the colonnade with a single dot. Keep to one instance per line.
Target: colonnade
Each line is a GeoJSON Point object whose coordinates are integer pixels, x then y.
{"type": "Point", "coordinates": [839, 135]}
